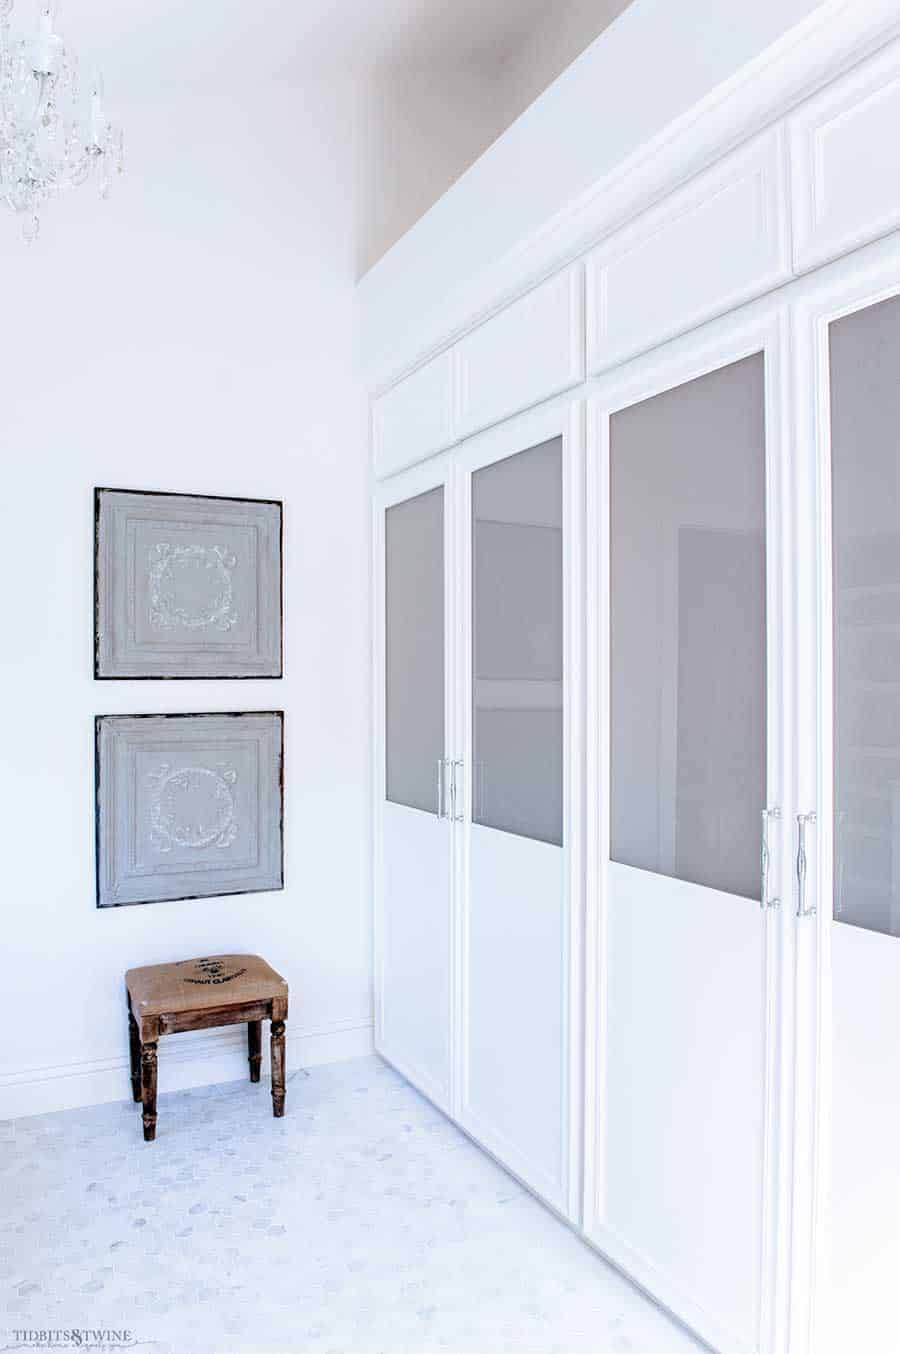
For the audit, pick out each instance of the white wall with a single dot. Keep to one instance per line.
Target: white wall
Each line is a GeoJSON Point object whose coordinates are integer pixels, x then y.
{"type": "Point", "coordinates": [196, 333]}
{"type": "Point", "coordinates": [425, 128]}
{"type": "Point", "coordinates": [563, 31]}
{"type": "Point", "coordinates": [200, 333]}
{"type": "Point", "coordinates": [430, 122]}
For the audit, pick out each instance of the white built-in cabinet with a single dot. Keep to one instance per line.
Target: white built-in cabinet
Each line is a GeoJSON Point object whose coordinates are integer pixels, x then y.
{"type": "Point", "coordinates": [478, 790]}
{"type": "Point", "coordinates": [637, 713]}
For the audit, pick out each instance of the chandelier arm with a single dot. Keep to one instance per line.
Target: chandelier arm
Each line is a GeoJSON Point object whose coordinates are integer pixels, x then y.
{"type": "Point", "coordinates": [50, 142]}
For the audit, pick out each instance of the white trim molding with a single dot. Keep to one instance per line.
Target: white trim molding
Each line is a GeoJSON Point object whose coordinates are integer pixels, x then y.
{"type": "Point", "coordinates": [186, 1060]}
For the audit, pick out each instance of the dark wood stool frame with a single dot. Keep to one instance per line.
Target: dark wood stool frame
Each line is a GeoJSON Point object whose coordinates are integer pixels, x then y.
{"type": "Point", "coordinates": [249, 1013]}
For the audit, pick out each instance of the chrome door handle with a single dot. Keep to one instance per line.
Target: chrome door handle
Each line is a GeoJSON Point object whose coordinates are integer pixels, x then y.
{"type": "Point", "coordinates": [442, 787]}
{"type": "Point", "coordinates": [765, 858]}
{"type": "Point", "coordinates": [455, 817]}
{"type": "Point", "coordinates": [802, 820]}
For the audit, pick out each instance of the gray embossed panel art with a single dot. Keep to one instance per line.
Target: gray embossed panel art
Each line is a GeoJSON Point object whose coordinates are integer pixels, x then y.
{"type": "Point", "coordinates": [186, 586]}
{"type": "Point", "coordinates": [188, 806]}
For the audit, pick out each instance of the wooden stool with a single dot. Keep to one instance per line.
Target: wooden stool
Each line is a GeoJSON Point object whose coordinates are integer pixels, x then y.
{"type": "Point", "coordinates": [199, 994]}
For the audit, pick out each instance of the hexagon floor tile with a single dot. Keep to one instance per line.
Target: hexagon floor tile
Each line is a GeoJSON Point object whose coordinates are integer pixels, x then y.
{"type": "Point", "coordinates": [362, 1222]}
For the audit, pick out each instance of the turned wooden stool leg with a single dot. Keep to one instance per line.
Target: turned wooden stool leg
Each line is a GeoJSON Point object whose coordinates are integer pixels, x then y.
{"type": "Point", "coordinates": [134, 1049]}
{"type": "Point", "coordinates": [277, 1043]}
{"type": "Point", "coordinates": [148, 1086]}
{"type": "Point", "coordinates": [254, 1045]}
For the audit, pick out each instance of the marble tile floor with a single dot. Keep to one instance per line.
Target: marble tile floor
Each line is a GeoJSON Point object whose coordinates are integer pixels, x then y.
{"type": "Point", "coordinates": [362, 1222]}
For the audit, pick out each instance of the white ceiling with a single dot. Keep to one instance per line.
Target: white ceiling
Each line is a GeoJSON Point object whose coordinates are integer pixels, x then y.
{"type": "Point", "coordinates": [205, 43]}
{"type": "Point", "coordinates": [443, 78]}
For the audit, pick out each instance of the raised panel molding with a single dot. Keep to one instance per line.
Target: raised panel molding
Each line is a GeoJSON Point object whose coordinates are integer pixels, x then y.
{"type": "Point", "coordinates": [528, 352]}
{"type": "Point", "coordinates": [668, 271]}
{"type": "Point", "coordinates": [414, 419]}
{"type": "Point", "coordinates": [845, 162]}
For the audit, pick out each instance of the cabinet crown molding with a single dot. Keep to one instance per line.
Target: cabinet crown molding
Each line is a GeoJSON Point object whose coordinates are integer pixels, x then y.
{"type": "Point", "coordinates": [824, 46]}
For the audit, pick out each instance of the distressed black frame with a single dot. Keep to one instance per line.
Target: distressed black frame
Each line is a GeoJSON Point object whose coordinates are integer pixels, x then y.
{"type": "Point", "coordinates": [183, 714]}
{"type": "Point", "coordinates": [278, 503]}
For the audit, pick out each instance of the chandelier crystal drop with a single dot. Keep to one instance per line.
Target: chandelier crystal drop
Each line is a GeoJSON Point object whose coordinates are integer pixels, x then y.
{"type": "Point", "coordinates": [49, 142]}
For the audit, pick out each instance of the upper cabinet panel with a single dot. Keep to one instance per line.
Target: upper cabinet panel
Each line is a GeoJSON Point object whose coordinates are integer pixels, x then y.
{"type": "Point", "coordinates": [708, 247]}
{"type": "Point", "coordinates": [531, 350]}
{"type": "Point", "coordinates": [414, 419]}
{"type": "Point", "coordinates": [845, 161]}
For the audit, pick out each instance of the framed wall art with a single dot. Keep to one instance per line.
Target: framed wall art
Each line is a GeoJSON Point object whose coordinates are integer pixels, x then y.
{"type": "Point", "coordinates": [188, 806]}
{"type": "Point", "coordinates": [186, 585]}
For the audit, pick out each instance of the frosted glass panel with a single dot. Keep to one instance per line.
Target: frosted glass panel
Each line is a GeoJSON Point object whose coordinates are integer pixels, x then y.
{"type": "Point", "coordinates": [688, 630]}
{"type": "Point", "coordinates": [518, 643]}
{"type": "Point", "coordinates": [865, 454]}
{"type": "Point", "coordinates": [414, 644]}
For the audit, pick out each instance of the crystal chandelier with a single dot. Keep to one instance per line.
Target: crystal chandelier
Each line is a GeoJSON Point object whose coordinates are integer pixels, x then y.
{"type": "Point", "coordinates": [47, 145]}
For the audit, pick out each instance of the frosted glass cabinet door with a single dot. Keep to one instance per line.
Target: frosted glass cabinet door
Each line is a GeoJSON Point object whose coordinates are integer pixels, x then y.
{"type": "Point", "coordinates": [515, 929]}
{"type": "Point", "coordinates": [864, 358]}
{"type": "Point", "coordinates": [414, 649]}
{"type": "Point", "coordinates": [413, 883]}
{"type": "Point", "coordinates": [688, 631]}
{"type": "Point", "coordinates": [517, 603]}
{"type": "Point", "coordinates": [677, 1183]}
{"type": "Point", "coordinates": [860, 922]}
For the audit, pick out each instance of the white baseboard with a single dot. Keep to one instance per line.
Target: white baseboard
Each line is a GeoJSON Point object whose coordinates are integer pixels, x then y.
{"type": "Point", "coordinates": [185, 1060]}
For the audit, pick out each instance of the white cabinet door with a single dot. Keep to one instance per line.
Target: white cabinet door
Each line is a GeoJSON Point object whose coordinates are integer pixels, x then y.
{"type": "Point", "coordinates": [518, 793]}
{"type": "Point", "coordinates": [845, 161]}
{"type": "Point", "coordinates": [848, 1188]}
{"type": "Point", "coordinates": [526, 353]}
{"type": "Point", "coordinates": [686, 773]}
{"type": "Point", "coordinates": [414, 419]}
{"type": "Point", "coordinates": [413, 832]}
{"type": "Point", "coordinates": [669, 269]}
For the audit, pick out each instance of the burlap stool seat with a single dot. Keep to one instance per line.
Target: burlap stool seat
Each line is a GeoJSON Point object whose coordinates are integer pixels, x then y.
{"type": "Point", "coordinates": [199, 994]}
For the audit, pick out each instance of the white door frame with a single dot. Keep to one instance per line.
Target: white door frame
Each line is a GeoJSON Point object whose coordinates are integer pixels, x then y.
{"type": "Point", "coordinates": [562, 418]}
{"type": "Point", "coordinates": [761, 326]}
